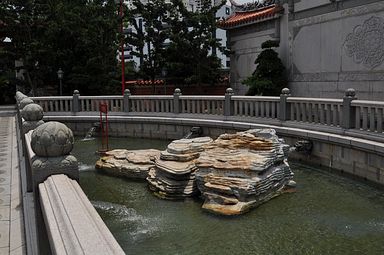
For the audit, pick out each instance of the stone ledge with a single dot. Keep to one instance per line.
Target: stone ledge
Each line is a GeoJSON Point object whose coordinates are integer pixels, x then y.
{"type": "Point", "coordinates": [72, 223]}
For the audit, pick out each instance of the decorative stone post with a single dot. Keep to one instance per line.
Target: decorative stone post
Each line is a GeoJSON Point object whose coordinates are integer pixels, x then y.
{"type": "Point", "coordinates": [32, 117]}
{"type": "Point", "coordinates": [19, 96]}
{"type": "Point", "coordinates": [284, 109]}
{"type": "Point", "coordinates": [176, 101]}
{"type": "Point", "coordinates": [76, 101]}
{"type": "Point", "coordinates": [52, 143]}
{"type": "Point", "coordinates": [228, 104]}
{"type": "Point", "coordinates": [24, 102]}
{"type": "Point", "coordinates": [349, 112]}
{"type": "Point", "coordinates": [126, 106]}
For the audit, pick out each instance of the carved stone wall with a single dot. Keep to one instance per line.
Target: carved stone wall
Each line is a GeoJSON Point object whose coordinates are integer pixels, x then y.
{"type": "Point", "coordinates": [337, 50]}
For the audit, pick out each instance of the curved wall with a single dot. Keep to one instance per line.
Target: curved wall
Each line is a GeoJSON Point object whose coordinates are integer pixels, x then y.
{"type": "Point", "coordinates": [354, 156]}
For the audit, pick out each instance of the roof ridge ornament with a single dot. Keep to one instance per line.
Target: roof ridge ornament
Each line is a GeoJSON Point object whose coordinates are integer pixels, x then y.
{"type": "Point", "coordinates": [252, 6]}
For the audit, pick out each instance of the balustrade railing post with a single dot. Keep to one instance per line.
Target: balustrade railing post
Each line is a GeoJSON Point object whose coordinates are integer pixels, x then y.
{"type": "Point", "coordinates": [76, 101]}
{"type": "Point", "coordinates": [176, 101]}
{"type": "Point", "coordinates": [126, 105]}
{"type": "Point", "coordinates": [348, 112]}
{"type": "Point", "coordinates": [284, 107]}
{"type": "Point", "coordinates": [228, 104]}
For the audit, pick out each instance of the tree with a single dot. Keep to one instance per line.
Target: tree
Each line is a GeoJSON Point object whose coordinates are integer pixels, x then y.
{"type": "Point", "coordinates": [78, 36]}
{"type": "Point", "coordinates": [177, 39]}
{"type": "Point", "coordinates": [269, 78]}
{"type": "Point", "coordinates": [150, 24]}
{"type": "Point", "coordinates": [192, 41]}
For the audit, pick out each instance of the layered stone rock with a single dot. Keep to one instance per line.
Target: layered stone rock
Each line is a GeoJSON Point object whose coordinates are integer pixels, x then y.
{"type": "Point", "coordinates": [128, 163]}
{"type": "Point", "coordinates": [240, 171]}
{"type": "Point", "coordinates": [173, 176]}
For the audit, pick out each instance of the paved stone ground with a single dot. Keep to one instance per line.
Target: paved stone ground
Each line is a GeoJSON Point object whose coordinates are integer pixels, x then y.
{"type": "Point", "coordinates": [12, 239]}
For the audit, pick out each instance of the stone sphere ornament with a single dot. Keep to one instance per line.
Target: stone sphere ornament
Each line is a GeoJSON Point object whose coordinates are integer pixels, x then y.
{"type": "Point", "coordinates": [20, 96]}
{"type": "Point", "coordinates": [26, 101]}
{"type": "Point", "coordinates": [52, 139]}
{"type": "Point", "coordinates": [32, 112]}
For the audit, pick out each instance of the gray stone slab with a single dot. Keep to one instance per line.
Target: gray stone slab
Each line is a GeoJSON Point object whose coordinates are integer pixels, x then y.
{"type": "Point", "coordinates": [362, 144]}
{"type": "Point", "coordinates": [76, 228]}
{"type": "Point", "coordinates": [4, 234]}
{"type": "Point", "coordinates": [339, 139]}
{"type": "Point", "coordinates": [4, 213]}
{"type": "Point", "coordinates": [19, 251]}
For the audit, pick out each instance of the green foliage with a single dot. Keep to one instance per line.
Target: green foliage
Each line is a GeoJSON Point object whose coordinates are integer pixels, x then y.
{"type": "Point", "coordinates": [180, 41]}
{"type": "Point", "coordinates": [269, 77]}
{"type": "Point", "coordinates": [77, 36]}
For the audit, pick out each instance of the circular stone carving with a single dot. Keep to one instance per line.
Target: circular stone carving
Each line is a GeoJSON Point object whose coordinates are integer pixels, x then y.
{"type": "Point", "coordinates": [26, 101]}
{"type": "Point", "coordinates": [52, 139]}
{"type": "Point", "coordinates": [177, 91]}
{"type": "Point", "coordinates": [32, 112]}
{"type": "Point", "coordinates": [365, 43]}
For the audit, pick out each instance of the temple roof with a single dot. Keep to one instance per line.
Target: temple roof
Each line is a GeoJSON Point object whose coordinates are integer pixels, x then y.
{"type": "Point", "coordinates": [241, 18]}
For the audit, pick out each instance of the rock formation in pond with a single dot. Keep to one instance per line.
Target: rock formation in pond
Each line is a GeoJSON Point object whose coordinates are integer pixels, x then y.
{"type": "Point", "coordinates": [173, 176]}
{"type": "Point", "coordinates": [240, 171]}
{"type": "Point", "coordinates": [128, 163]}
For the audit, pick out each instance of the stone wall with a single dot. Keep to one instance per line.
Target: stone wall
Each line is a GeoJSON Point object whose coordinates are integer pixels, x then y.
{"type": "Point", "coordinates": [327, 47]}
{"type": "Point", "coordinates": [338, 50]}
{"type": "Point", "coordinates": [245, 43]}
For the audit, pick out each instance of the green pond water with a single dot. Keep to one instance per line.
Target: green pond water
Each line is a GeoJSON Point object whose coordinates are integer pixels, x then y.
{"type": "Point", "coordinates": [329, 214]}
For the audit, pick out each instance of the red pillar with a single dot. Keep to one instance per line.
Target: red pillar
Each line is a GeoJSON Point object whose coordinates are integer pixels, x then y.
{"type": "Point", "coordinates": [122, 50]}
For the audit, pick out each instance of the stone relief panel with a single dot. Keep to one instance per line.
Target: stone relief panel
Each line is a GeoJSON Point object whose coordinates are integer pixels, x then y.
{"type": "Point", "coordinates": [366, 43]}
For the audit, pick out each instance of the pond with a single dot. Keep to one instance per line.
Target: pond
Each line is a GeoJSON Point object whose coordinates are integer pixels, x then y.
{"type": "Point", "coordinates": [329, 214]}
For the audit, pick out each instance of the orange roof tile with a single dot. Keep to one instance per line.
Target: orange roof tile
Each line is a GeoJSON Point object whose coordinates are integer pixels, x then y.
{"type": "Point", "coordinates": [242, 18]}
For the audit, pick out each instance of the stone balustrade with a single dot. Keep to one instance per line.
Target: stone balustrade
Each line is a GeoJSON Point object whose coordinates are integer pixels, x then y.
{"type": "Point", "coordinates": [72, 224]}
{"type": "Point", "coordinates": [333, 115]}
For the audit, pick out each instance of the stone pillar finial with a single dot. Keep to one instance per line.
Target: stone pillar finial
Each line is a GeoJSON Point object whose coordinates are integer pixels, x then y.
{"type": "Point", "coordinates": [286, 92]}
{"type": "Point", "coordinates": [229, 91]}
{"type": "Point", "coordinates": [350, 92]}
{"type": "Point", "coordinates": [24, 102]}
{"type": "Point", "coordinates": [19, 96]}
{"type": "Point", "coordinates": [127, 92]}
{"type": "Point", "coordinates": [177, 91]}
{"type": "Point", "coordinates": [76, 92]}
{"type": "Point", "coordinates": [32, 117]}
{"type": "Point", "coordinates": [52, 143]}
